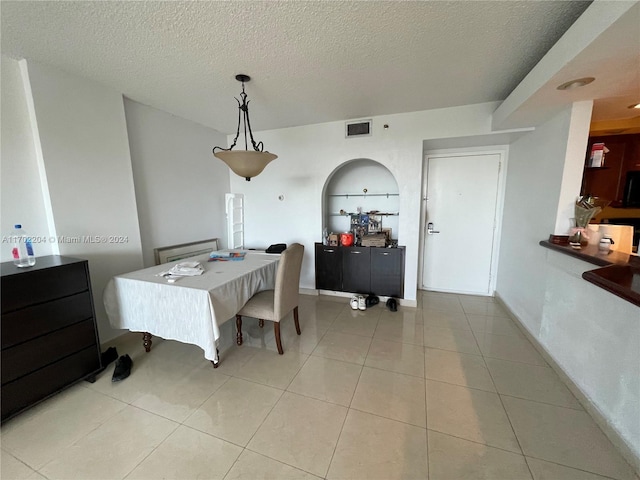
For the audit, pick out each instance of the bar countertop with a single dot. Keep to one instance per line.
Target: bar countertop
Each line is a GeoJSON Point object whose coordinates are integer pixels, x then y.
{"type": "Point", "coordinates": [619, 272]}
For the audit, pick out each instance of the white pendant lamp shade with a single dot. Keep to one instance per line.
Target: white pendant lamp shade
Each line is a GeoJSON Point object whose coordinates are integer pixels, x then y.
{"type": "Point", "coordinates": [245, 163]}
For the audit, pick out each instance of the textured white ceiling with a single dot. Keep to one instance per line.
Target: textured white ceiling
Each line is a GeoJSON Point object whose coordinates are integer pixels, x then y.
{"type": "Point", "coordinates": [310, 62]}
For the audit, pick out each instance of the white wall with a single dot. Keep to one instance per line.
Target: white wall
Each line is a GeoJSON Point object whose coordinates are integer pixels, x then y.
{"type": "Point", "coordinates": [590, 333]}
{"type": "Point", "coordinates": [308, 155]}
{"type": "Point", "coordinates": [595, 337]}
{"type": "Point", "coordinates": [22, 200]}
{"type": "Point", "coordinates": [577, 138]}
{"type": "Point", "coordinates": [85, 152]}
{"type": "Point", "coordinates": [179, 184]}
{"type": "Point", "coordinates": [533, 184]}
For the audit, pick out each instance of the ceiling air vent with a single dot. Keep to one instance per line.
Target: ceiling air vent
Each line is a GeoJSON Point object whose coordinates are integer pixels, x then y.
{"type": "Point", "coordinates": [361, 128]}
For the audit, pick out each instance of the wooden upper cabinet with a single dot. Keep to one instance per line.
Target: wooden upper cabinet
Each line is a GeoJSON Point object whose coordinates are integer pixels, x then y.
{"type": "Point", "coordinates": [608, 182]}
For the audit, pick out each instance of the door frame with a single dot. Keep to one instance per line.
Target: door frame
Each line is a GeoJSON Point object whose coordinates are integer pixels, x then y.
{"type": "Point", "coordinates": [503, 152]}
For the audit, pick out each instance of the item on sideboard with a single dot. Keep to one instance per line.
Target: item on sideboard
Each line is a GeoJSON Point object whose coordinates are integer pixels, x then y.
{"type": "Point", "coordinates": [559, 239]}
{"type": "Point", "coordinates": [346, 239]}
{"type": "Point", "coordinates": [333, 239]}
{"type": "Point", "coordinates": [374, 240]}
{"type": "Point", "coordinates": [359, 226]}
{"type": "Point", "coordinates": [375, 224]}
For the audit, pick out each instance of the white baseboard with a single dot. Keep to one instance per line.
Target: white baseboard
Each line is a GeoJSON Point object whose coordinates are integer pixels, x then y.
{"type": "Point", "coordinates": [309, 291]}
{"type": "Point", "coordinates": [403, 302]}
{"type": "Point", "coordinates": [592, 409]}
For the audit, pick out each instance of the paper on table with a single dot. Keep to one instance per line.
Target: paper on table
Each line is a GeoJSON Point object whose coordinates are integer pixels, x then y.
{"type": "Point", "coordinates": [184, 269]}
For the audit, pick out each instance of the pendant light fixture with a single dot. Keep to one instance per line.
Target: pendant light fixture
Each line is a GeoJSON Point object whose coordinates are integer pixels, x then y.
{"type": "Point", "coordinates": [245, 163]}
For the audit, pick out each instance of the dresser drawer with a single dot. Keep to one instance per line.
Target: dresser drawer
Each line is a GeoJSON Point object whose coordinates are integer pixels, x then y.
{"type": "Point", "coordinates": [27, 357]}
{"type": "Point", "coordinates": [38, 286]}
{"type": "Point", "coordinates": [31, 322]}
{"type": "Point", "coordinates": [28, 390]}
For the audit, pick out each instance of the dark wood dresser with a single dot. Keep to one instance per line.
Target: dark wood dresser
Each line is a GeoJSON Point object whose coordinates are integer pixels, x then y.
{"type": "Point", "coordinates": [49, 333]}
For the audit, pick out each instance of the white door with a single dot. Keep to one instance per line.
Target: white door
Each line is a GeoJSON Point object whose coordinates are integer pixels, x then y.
{"type": "Point", "coordinates": [461, 204]}
{"type": "Point", "coordinates": [235, 219]}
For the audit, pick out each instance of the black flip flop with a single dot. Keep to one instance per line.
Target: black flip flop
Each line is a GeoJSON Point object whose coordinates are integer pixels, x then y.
{"type": "Point", "coordinates": [123, 368]}
{"type": "Point", "coordinates": [392, 304]}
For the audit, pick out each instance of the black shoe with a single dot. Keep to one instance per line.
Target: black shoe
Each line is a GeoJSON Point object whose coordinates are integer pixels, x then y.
{"type": "Point", "coordinates": [371, 300]}
{"type": "Point", "coordinates": [123, 368]}
{"type": "Point", "coordinates": [109, 355]}
{"type": "Point", "coordinates": [392, 304]}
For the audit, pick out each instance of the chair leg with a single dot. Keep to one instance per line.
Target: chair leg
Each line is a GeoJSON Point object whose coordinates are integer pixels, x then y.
{"type": "Point", "coordinates": [261, 323]}
{"type": "Point", "coordinates": [146, 341]}
{"type": "Point", "coordinates": [239, 327]}
{"type": "Point", "coordinates": [295, 319]}
{"type": "Point", "coordinates": [276, 331]}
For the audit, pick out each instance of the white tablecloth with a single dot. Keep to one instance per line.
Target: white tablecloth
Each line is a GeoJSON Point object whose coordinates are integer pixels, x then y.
{"type": "Point", "coordinates": [191, 309]}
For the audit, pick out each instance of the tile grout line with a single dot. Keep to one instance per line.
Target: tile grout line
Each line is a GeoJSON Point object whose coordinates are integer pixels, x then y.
{"type": "Point", "coordinates": [283, 392]}
{"type": "Point", "coordinates": [507, 415]}
{"type": "Point", "coordinates": [157, 446]}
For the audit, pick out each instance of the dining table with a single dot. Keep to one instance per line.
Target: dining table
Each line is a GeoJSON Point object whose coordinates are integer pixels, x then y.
{"type": "Point", "coordinates": [189, 309]}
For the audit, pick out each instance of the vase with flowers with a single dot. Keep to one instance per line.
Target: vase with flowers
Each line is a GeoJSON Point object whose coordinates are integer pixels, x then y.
{"type": "Point", "coordinates": [586, 207]}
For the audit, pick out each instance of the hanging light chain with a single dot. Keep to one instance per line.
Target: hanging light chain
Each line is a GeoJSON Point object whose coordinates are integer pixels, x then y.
{"type": "Point", "coordinates": [243, 114]}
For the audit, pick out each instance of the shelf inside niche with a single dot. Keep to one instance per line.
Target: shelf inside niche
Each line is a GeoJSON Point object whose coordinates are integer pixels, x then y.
{"type": "Point", "coordinates": [347, 195]}
{"type": "Point", "coordinates": [356, 213]}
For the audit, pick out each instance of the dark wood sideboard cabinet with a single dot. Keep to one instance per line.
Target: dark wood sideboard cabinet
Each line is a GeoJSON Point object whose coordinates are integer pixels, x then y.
{"type": "Point", "coordinates": [49, 333]}
{"type": "Point", "coordinates": [365, 270]}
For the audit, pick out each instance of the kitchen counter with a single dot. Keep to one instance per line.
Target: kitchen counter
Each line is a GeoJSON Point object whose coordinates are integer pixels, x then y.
{"type": "Point", "coordinates": [620, 272]}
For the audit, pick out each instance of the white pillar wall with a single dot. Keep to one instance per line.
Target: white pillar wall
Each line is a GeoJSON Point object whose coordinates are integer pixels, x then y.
{"type": "Point", "coordinates": [22, 198]}
{"type": "Point", "coordinates": [68, 152]}
{"type": "Point", "coordinates": [577, 138]}
{"type": "Point", "coordinates": [590, 333]}
{"type": "Point", "coordinates": [85, 152]}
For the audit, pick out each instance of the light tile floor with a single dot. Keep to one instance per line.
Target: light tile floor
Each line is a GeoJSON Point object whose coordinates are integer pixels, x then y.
{"type": "Point", "coordinates": [450, 390]}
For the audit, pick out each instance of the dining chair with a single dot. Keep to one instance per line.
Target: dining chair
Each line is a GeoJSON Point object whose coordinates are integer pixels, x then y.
{"type": "Point", "coordinates": [274, 305]}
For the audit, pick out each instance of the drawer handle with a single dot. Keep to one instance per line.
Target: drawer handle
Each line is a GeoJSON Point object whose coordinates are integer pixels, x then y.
{"type": "Point", "coordinates": [355, 252]}
{"type": "Point", "coordinates": [385, 253]}
{"type": "Point", "coordinates": [329, 250]}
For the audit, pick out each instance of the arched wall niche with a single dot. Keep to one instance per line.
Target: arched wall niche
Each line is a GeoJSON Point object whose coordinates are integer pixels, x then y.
{"type": "Point", "coordinates": [344, 190]}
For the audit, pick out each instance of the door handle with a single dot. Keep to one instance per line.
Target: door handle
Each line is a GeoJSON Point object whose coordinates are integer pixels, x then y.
{"type": "Point", "coordinates": [430, 230]}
